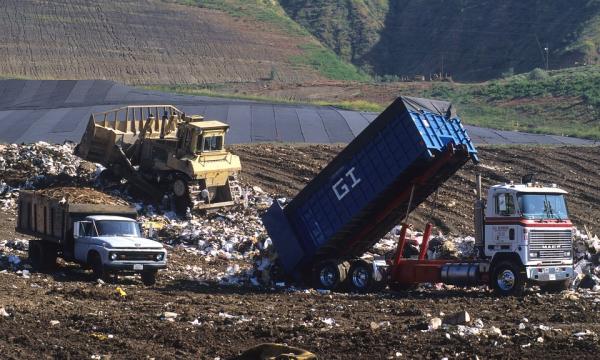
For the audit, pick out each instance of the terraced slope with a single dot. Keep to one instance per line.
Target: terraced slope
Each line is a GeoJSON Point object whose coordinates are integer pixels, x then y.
{"type": "Point", "coordinates": [148, 42]}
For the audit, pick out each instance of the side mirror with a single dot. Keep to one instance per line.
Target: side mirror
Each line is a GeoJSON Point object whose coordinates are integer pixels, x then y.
{"type": "Point", "coordinates": [502, 202]}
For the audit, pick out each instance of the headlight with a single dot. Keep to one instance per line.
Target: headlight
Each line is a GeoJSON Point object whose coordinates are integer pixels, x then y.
{"type": "Point", "coordinates": [567, 254]}
{"type": "Point", "coordinates": [159, 257]}
{"type": "Point", "coordinates": [534, 254]}
{"type": "Point", "coordinates": [113, 256]}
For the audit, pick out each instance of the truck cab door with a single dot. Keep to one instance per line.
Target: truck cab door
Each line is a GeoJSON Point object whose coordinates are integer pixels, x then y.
{"type": "Point", "coordinates": [82, 230]}
{"type": "Point", "coordinates": [501, 229]}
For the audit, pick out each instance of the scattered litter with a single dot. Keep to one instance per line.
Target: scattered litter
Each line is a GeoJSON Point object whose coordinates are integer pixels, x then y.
{"type": "Point", "coordinates": [328, 321]}
{"type": "Point", "coordinates": [54, 322]}
{"type": "Point", "coordinates": [169, 316]}
{"type": "Point", "coordinates": [119, 290]}
{"type": "Point", "coordinates": [459, 318]}
{"type": "Point", "coordinates": [435, 323]}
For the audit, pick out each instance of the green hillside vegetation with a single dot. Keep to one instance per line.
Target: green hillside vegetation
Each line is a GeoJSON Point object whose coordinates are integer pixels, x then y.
{"type": "Point", "coordinates": [349, 27]}
{"type": "Point", "coordinates": [470, 40]}
{"type": "Point", "coordinates": [314, 54]}
{"type": "Point", "coordinates": [563, 102]}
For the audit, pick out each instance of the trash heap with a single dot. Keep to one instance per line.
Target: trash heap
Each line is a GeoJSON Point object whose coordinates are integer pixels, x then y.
{"type": "Point", "coordinates": [41, 165]}
{"type": "Point", "coordinates": [439, 246]}
{"type": "Point", "coordinates": [586, 248]}
{"type": "Point", "coordinates": [224, 245]}
{"type": "Point", "coordinates": [11, 254]}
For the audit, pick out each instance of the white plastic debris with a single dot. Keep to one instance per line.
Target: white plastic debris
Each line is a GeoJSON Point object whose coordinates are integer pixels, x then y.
{"type": "Point", "coordinates": [169, 316]}
{"type": "Point", "coordinates": [328, 321]}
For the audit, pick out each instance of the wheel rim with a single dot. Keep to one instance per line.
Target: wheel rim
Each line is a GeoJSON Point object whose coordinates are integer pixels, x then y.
{"type": "Point", "coordinates": [179, 187]}
{"type": "Point", "coordinates": [328, 276]}
{"type": "Point", "coordinates": [506, 280]}
{"type": "Point", "coordinates": [360, 278]}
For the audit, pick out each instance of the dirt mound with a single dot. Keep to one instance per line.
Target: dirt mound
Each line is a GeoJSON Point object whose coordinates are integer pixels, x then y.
{"type": "Point", "coordinates": [76, 195]}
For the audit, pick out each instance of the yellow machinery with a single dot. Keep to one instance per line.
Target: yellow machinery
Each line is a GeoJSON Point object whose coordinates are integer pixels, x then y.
{"type": "Point", "coordinates": [162, 151]}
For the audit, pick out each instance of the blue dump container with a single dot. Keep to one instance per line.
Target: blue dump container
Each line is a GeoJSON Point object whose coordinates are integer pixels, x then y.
{"type": "Point", "coordinates": [362, 191]}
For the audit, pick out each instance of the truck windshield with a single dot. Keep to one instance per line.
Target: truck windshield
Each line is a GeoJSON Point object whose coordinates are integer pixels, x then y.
{"type": "Point", "coordinates": [117, 228]}
{"type": "Point", "coordinates": [543, 206]}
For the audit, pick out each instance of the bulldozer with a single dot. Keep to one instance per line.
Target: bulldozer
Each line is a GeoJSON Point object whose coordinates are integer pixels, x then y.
{"type": "Point", "coordinates": [164, 153]}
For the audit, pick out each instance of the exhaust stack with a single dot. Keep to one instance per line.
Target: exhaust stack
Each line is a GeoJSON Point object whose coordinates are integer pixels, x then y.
{"type": "Point", "coordinates": [478, 208]}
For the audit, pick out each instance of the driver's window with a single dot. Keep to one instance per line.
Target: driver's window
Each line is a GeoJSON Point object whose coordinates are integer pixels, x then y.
{"type": "Point", "coordinates": [505, 205]}
{"type": "Point", "coordinates": [85, 229]}
{"type": "Point", "coordinates": [213, 143]}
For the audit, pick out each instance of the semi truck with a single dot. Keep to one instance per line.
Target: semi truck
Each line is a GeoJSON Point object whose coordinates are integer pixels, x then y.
{"type": "Point", "coordinates": [103, 237]}
{"type": "Point", "coordinates": [162, 151]}
{"type": "Point", "coordinates": [522, 231]}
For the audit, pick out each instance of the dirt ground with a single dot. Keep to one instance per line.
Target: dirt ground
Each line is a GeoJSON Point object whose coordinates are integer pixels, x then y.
{"type": "Point", "coordinates": [65, 315]}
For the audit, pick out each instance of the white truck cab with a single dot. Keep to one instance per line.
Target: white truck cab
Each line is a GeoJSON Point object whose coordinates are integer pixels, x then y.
{"type": "Point", "coordinates": [109, 243]}
{"type": "Point", "coordinates": [528, 225]}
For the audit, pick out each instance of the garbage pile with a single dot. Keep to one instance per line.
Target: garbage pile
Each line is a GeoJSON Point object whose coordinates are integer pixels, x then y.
{"type": "Point", "coordinates": [224, 244]}
{"type": "Point", "coordinates": [586, 248]}
{"type": "Point", "coordinates": [82, 195]}
{"type": "Point", "coordinates": [439, 246]}
{"type": "Point", "coordinates": [11, 254]}
{"type": "Point", "coordinates": [42, 165]}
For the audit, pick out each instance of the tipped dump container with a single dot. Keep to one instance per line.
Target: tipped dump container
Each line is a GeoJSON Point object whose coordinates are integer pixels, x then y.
{"type": "Point", "coordinates": [402, 157]}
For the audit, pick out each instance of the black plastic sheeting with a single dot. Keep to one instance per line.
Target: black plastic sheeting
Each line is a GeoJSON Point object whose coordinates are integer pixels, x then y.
{"type": "Point", "coordinates": [58, 110]}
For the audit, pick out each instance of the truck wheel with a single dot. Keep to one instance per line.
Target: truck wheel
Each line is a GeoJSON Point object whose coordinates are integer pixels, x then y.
{"type": "Point", "coordinates": [98, 271]}
{"type": "Point", "coordinates": [556, 286]}
{"type": "Point", "coordinates": [35, 255]}
{"type": "Point", "coordinates": [507, 279]}
{"type": "Point", "coordinates": [49, 255]}
{"type": "Point", "coordinates": [330, 274]}
{"type": "Point", "coordinates": [149, 277]}
{"type": "Point", "coordinates": [360, 276]}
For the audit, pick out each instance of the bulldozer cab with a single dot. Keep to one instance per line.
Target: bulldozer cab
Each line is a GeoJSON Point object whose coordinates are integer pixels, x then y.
{"type": "Point", "coordinates": [203, 138]}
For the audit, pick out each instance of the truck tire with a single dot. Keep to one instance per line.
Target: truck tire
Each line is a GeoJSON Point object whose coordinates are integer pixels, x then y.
{"type": "Point", "coordinates": [330, 274]}
{"type": "Point", "coordinates": [42, 255]}
{"type": "Point", "coordinates": [49, 255]}
{"type": "Point", "coordinates": [95, 263]}
{"type": "Point", "coordinates": [35, 255]}
{"type": "Point", "coordinates": [149, 277]}
{"type": "Point", "coordinates": [360, 277]}
{"type": "Point", "coordinates": [507, 279]}
{"type": "Point", "coordinates": [556, 286]}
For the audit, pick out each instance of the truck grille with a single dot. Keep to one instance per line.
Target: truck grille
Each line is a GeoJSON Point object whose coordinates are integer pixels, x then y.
{"type": "Point", "coordinates": [136, 256]}
{"type": "Point", "coordinates": [551, 244]}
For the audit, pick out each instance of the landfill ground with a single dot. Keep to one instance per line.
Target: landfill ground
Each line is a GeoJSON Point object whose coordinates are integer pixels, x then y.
{"type": "Point", "coordinates": [66, 315]}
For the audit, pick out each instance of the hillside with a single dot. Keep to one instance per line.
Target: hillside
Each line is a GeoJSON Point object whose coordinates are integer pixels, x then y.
{"type": "Point", "coordinates": [160, 42]}
{"type": "Point", "coordinates": [467, 39]}
{"type": "Point", "coordinates": [560, 102]}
